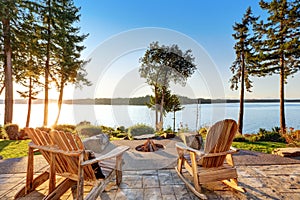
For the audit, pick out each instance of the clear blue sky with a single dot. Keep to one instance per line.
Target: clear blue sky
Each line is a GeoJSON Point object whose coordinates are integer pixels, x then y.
{"type": "Point", "coordinates": [209, 23]}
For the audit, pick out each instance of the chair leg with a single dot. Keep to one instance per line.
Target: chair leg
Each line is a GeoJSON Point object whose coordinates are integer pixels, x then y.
{"type": "Point", "coordinates": [233, 183]}
{"type": "Point", "coordinates": [118, 177]}
{"type": "Point", "coordinates": [190, 186]}
{"type": "Point", "coordinates": [179, 164]}
{"type": "Point", "coordinates": [119, 170]}
{"type": "Point", "coordinates": [195, 171]}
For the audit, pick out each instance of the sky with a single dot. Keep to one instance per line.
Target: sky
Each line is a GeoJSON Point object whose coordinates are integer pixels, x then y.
{"type": "Point", "coordinates": [207, 23]}
{"type": "Point", "coordinates": [120, 31]}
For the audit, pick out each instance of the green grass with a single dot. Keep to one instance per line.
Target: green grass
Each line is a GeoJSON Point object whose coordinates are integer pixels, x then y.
{"type": "Point", "coordinates": [265, 147]}
{"type": "Point", "coordinates": [13, 149]}
{"type": "Point", "coordinates": [16, 149]}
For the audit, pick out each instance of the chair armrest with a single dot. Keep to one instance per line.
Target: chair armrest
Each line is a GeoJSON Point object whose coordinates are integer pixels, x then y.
{"type": "Point", "coordinates": [182, 146]}
{"type": "Point", "coordinates": [113, 153]}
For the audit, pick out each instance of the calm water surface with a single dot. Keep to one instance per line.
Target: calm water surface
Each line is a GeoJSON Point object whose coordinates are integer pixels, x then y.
{"type": "Point", "coordinates": [257, 115]}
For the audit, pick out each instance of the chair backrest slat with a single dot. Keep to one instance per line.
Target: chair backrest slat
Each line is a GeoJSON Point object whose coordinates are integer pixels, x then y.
{"type": "Point", "coordinates": [219, 139]}
{"type": "Point", "coordinates": [64, 141]}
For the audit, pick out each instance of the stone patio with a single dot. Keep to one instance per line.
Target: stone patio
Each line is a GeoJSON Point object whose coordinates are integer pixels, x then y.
{"type": "Point", "coordinates": [264, 176]}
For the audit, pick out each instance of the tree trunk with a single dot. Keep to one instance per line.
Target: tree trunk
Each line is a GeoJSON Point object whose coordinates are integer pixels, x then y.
{"type": "Point", "coordinates": [282, 78]}
{"type": "Point", "coordinates": [156, 108]}
{"type": "Point", "coordinates": [59, 103]}
{"type": "Point", "coordinates": [241, 113]}
{"type": "Point", "coordinates": [161, 120]}
{"type": "Point", "coordinates": [8, 81]}
{"type": "Point", "coordinates": [47, 67]}
{"type": "Point", "coordinates": [174, 120]}
{"type": "Point", "coordinates": [29, 102]}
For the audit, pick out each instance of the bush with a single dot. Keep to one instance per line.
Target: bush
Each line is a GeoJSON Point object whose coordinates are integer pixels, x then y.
{"type": "Point", "coordinates": [122, 129]}
{"type": "Point", "coordinates": [88, 131]}
{"type": "Point", "coordinates": [65, 127]}
{"type": "Point", "coordinates": [239, 138]}
{"type": "Point", "coordinates": [272, 136]}
{"type": "Point", "coordinates": [140, 129]}
{"type": "Point", "coordinates": [44, 129]}
{"type": "Point", "coordinates": [3, 134]}
{"type": "Point", "coordinates": [267, 136]}
{"type": "Point", "coordinates": [122, 135]}
{"type": "Point", "coordinates": [12, 131]}
{"type": "Point", "coordinates": [106, 129]}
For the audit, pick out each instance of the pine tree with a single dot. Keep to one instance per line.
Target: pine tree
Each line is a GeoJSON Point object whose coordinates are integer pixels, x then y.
{"type": "Point", "coordinates": [48, 17]}
{"type": "Point", "coordinates": [69, 67]}
{"type": "Point", "coordinates": [8, 12]}
{"type": "Point", "coordinates": [243, 61]}
{"type": "Point", "coordinates": [278, 44]}
{"type": "Point", "coordinates": [28, 56]}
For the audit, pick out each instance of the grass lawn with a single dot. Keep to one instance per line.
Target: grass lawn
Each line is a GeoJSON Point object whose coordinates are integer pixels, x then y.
{"type": "Point", "coordinates": [13, 149]}
{"type": "Point", "coordinates": [16, 149]}
{"type": "Point", "coordinates": [265, 147]}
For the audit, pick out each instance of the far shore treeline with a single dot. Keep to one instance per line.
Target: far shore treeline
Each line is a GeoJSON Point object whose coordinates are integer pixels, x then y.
{"type": "Point", "coordinates": [145, 99]}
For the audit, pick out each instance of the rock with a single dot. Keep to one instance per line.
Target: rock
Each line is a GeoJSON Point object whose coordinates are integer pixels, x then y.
{"type": "Point", "coordinates": [287, 152]}
{"type": "Point", "coordinates": [193, 140]}
{"type": "Point", "coordinates": [96, 143]}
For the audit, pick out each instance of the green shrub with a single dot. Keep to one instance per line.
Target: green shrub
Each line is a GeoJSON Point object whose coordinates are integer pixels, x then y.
{"type": "Point", "coordinates": [272, 136]}
{"type": "Point", "coordinates": [268, 136]}
{"type": "Point", "coordinates": [168, 130]}
{"type": "Point", "coordinates": [253, 138]}
{"type": "Point", "coordinates": [203, 132]}
{"type": "Point", "coordinates": [140, 129]}
{"type": "Point", "coordinates": [44, 129]}
{"type": "Point", "coordinates": [239, 138]}
{"type": "Point", "coordinates": [122, 135]}
{"type": "Point", "coordinates": [106, 129]}
{"type": "Point", "coordinates": [12, 131]}
{"type": "Point", "coordinates": [3, 134]}
{"type": "Point", "coordinates": [88, 131]}
{"type": "Point", "coordinates": [65, 127]}
{"type": "Point", "coordinates": [122, 129]}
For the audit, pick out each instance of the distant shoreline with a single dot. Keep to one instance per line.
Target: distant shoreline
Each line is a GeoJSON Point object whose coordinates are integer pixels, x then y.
{"type": "Point", "coordinates": [144, 100]}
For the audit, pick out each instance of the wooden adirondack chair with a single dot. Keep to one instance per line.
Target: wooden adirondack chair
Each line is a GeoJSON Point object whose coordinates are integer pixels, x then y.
{"type": "Point", "coordinates": [67, 157]}
{"type": "Point", "coordinates": [208, 165]}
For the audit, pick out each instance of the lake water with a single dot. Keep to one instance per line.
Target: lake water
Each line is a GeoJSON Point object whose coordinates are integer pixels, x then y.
{"type": "Point", "coordinates": [257, 115]}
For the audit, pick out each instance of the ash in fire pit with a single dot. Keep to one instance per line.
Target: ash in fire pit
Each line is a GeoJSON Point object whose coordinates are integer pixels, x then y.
{"type": "Point", "coordinates": [149, 146]}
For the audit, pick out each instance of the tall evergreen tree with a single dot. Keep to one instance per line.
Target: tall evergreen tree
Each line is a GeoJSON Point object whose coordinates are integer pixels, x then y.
{"type": "Point", "coordinates": [69, 68]}
{"type": "Point", "coordinates": [49, 16]}
{"type": "Point", "coordinates": [278, 46]}
{"type": "Point", "coordinates": [243, 61]}
{"type": "Point", "coordinates": [8, 12]}
{"type": "Point", "coordinates": [28, 56]}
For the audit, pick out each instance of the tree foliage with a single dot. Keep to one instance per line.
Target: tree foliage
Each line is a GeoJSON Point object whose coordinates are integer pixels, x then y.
{"type": "Point", "coordinates": [45, 44]}
{"type": "Point", "coordinates": [243, 62]}
{"type": "Point", "coordinates": [278, 44]}
{"type": "Point", "coordinates": [162, 65]}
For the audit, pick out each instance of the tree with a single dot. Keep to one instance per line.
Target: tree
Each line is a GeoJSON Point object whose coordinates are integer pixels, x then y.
{"type": "Point", "coordinates": [49, 16]}
{"type": "Point", "coordinates": [69, 67]}
{"type": "Point", "coordinates": [27, 58]}
{"type": "Point", "coordinates": [278, 44]}
{"type": "Point", "coordinates": [171, 103]}
{"type": "Point", "coordinates": [161, 65]}
{"type": "Point", "coordinates": [7, 9]}
{"type": "Point", "coordinates": [243, 61]}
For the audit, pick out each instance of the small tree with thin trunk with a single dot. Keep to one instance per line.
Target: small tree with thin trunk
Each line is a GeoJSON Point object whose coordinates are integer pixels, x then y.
{"type": "Point", "coordinates": [243, 61]}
